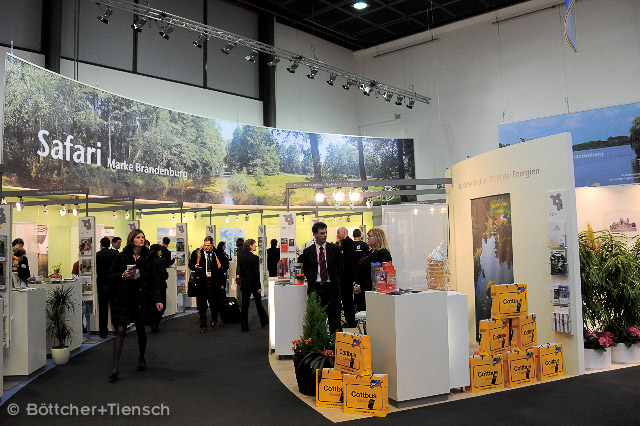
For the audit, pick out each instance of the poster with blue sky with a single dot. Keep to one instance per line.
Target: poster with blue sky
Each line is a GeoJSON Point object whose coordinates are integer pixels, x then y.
{"type": "Point", "coordinates": [606, 142]}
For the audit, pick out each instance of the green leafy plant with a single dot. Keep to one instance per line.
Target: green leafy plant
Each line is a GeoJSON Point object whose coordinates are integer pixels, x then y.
{"type": "Point", "coordinates": [314, 349]}
{"type": "Point", "coordinates": [59, 304]}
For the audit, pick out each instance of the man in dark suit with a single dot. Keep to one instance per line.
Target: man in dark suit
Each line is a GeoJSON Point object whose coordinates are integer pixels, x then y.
{"type": "Point", "coordinates": [165, 251]}
{"type": "Point", "coordinates": [360, 247]}
{"type": "Point", "coordinates": [104, 259]}
{"type": "Point", "coordinates": [348, 276]}
{"type": "Point", "coordinates": [205, 264]}
{"type": "Point", "coordinates": [322, 266]}
{"type": "Point", "coordinates": [273, 257]}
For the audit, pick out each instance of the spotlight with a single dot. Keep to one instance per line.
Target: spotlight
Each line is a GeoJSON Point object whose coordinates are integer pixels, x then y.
{"type": "Point", "coordinates": [273, 62]}
{"type": "Point", "coordinates": [332, 78]}
{"type": "Point", "coordinates": [340, 219]}
{"type": "Point", "coordinates": [237, 218]}
{"type": "Point", "coordinates": [352, 205]}
{"type": "Point", "coordinates": [360, 5]}
{"type": "Point", "coordinates": [251, 57]}
{"type": "Point", "coordinates": [302, 219]}
{"type": "Point", "coordinates": [399, 100]}
{"type": "Point", "coordinates": [246, 218]}
{"type": "Point", "coordinates": [104, 18]}
{"type": "Point", "coordinates": [173, 217]}
{"type": "Point", "coordinates": [20, 204]}
{"type": "Point", "coordinates": [199, 42]}
{"type": "Point", "coordinates": [348, 218]}
{"type": "Point", "coordinates": [366, 90]}
{"type": "Point", "coordinates": [127, 215]}
{"type": "Point", "coordinates": [334, 219]}
{"type": "Point", "coordinates": [411, 103]}
{"type": "Point", "coordinates": [114, 216]}
{"type": "Point", "coordinates": [312, 73]}
{"type": "Point", "coordinates": [338, 195]}
{"type": "Point", "coordinates": [63, 210]}
{"type": "Point", "coordinates": [165, 33]}
{"type": "Point", "coordinates": [3, 201]}
{"type": "Point", "coordinates": [226, 219]}
{"type": "Point", "coordinates": [369, 203]}
{"type": "Point", "coordinates": [139, 214]}
{"type": "Point", "coordinates": [293, 66]}
{"type": "Point", "coordinates": [348, 84]}
{"type": "Point", "coordinates": [75, 209]}
{"type": "Point", "coordinates": [319, 197]}
{"type": "Point", "coordinates": [354, 195]}
{"type": "Point", "coordinates": [432, 209]}
{"type": "Point", "coordinates": [337, 205]}
{"type": "Point", "coordinates": [415, 211]}
{"type": "Point", "coordinates": [195, 215]}
{"type": "Point", "coordinates": [137, 26]}
{"type": "Point", "coordinates": [228, 48]}
{"type": "Point", "coordinates": [443, 210]}
{"type": "Point", "coordinates": [387, 96]}
{"type": "Point", "coordinates": [45, 212]}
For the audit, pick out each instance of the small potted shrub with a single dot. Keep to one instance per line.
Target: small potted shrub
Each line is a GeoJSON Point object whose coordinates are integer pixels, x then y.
{"type": "Point", "coordinates": [596, 355]}
{"type": "Point", "coordinates": [59, 305]}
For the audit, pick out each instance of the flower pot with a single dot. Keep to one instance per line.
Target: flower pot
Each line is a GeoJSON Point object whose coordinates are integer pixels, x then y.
{"type": "Point", "coordinates": [597, 359]}
{"type": "Point", "coordinates": [624, 355]}
{"type": "Point", "coordinates": [305, 377]}
{"type": "Point", "coordinates": [60, 356]}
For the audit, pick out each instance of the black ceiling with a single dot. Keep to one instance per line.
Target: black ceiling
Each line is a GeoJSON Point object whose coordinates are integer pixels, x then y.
{"type": "Point", "coordinates": [382, 21]}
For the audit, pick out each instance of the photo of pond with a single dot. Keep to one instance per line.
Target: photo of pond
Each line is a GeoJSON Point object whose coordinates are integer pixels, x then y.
{"type": "Point", "coordinates": [492, 249]}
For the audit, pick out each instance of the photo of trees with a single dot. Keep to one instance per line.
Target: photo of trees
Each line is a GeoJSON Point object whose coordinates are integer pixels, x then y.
{"type": "Point", "coordinates": [59, 133]}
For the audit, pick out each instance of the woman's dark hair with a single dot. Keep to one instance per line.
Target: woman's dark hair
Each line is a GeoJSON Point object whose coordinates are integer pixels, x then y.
{"type": "Point", "coordinates": [240, 242]}
{"type": "Point", "coordinates": [17, 241]}
{"type": "Point", "coordinates": [274, 243]}
{"type": "Point", "coordinates": [221, 244]}
{"type": "Point", "coordinates": [132, 235]}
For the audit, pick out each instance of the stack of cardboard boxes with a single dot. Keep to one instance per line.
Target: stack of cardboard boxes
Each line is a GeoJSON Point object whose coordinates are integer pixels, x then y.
{"type": "Point", "coordinates": [508, 354]}
{"type": "Point", "coordinates": [351, 384]}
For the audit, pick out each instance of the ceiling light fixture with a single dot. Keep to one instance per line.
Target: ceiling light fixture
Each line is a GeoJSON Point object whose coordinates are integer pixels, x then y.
{"type": "Point", "coordinates": [173, 217]}
{"type": "Point", "coordinates": [127, 215]}
{"type": "Point", "coordinates": [228, 48]}
{"type": "Point", "coordinates": [251, 57]}
{"type": "Point", "coordinates": [63, 210]}
{"type": "Point", "coordinates": [302, 218]}
{"type": "Point", "coordinates": [348, 84]}
{"type": "Point", "coordinates": [293, 66]}
{"type": "Point", "coordinates": [348, 218]}
{"type": "Point", "coordinates": [312, 73]}
{"type": "Point", "coordinates": [165, 32]}
{"type": "Point", "coordinates": [387, 96]}
{"type": "Point", "coordinates": [319, 197]}
{"type": "Point", "coordinates": [104, 18]}
{"type": "Point", "coordinates": [226, 219]}
{"type": "Point", "coordinates": [246, 217]}
{"type": "Point", "coordinates": [195, 215]}
{"type": "Point", "coordinates": [4, 201]}
{"type": "Point", "coordinates": [45, 212]}
{"type": "Point", "coordinates": [237, 218]}
{"type": "Point", "coordinates": [273, 62]}
{"type": "Point", "coordinates": [360, 5]}
{"type": "Point", "coordinates": [411, 104]}
{"type": "Point", "coordinates": [75, 210]}
{"type": "Point", "coordinates": [20, 204]}
{"type": "Point", "coordinates": [139, 24]}
{"type": "Point", "coordinates": [200, 41]}
{"type": "Point", "coordinates": [114, 216]}
{"type": "Point", "coordinates": [332, 78]}
{"type": "Point", "coordinates": [354, 195]}
{"type": "Point", "coordinates": [399, 100]}
{"type": "Point", "coordinates": [139, 214]}
{"type": "Point", "coordinates": [338, 195]}
{"type": "Point", "coordinates": [369, 203]}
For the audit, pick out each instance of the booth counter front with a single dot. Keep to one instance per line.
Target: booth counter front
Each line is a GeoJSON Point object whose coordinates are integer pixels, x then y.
{"type": "Point", "coordinates": [287, 305]}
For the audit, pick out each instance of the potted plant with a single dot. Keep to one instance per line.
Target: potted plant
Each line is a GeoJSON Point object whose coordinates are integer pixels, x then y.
{"type": "Point", "coordinates": [59, 304]}
{"type": "Point", "coordinates": [314, 349]}
{"type": "Point", "coordinates": [596, 355]}
{"type": "Point", "coordinates": [56, 275]}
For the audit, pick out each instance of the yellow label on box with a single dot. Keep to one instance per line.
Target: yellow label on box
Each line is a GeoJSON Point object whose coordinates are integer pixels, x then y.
{"type": "Point", "coordinates": [549, 361]}
{"type": "Point", "coordinates": [366, 395]}
{"type": "Point", "coordinates": [509, 301]}
{"type": "Point", "coordinates": [521, 367]}
{"type": "Point", "coordinates": [524, 332]}
{"type": "Point", "coordinates": [329, 388]}
{"type": "Point", "coordinates": [494, 336]}
{"type": "Point", "coordinates": [353, 353]}
{"type": "Point", "coordinates": [487, 373]}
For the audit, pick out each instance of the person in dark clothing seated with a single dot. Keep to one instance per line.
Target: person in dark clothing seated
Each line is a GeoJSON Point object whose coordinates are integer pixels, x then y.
{"type": "Point", "coordinates": [273, 257]}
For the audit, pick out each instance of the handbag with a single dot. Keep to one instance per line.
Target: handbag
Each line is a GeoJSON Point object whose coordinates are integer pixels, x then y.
{"type": "Point", "coordinates": [192, 286]}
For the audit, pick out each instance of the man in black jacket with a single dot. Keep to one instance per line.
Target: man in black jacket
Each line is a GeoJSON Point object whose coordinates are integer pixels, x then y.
{"type": "Point", "coordinates": [104, 259]}
{"type": "Point", "coordinates": [166, 254]}
{"type": "Point", "coordinates": [273, 257]}
{"type": "Point", "coordinates": [322, 266]}
{"type": "Point", "coordinates": [205, 263]}
{"type": "Point", "coordinates": [348, 276]}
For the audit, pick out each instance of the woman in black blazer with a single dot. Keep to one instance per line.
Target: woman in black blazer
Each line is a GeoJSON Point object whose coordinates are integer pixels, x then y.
{"type": "Point", "coordinates": [249, 272]}
{"type": "Point", "coordinates": [135, 296]}
{"type": "Point", "coordinates": [378, 253]}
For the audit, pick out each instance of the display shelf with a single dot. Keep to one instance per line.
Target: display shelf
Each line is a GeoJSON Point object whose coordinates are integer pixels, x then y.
{"type": "Point", "coordinates": [409, 342]}
{"type": "Point", "coordinates": [287, 305]}
{"type": "Point", "coordinates": [27, 352]}
{"type": "Point", "coordinates": [172, 292]}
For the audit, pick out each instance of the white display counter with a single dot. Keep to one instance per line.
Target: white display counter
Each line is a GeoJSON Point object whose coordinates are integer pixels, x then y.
{"type": "Point", "coordinates": [73, 320]}
{"type": "Point", "coordinates": [172, 292]}
{"type": "Point", "coordinates": [27, 352]}
{"type": "Point", "coordinates": [409, 342]}
{"type": "Point", "coordinates": [458, 325]}
{"type": "Point", "coordinates": [287, 305]}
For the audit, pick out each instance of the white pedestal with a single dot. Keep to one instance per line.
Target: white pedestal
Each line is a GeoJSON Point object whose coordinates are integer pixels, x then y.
{"type": "Point", "coordinates": [597, 359]}
{"type": "Point", "coordinates": [458, 322]}
{"type": "Point", "coordinates": [27, 352]}
{"type": "Point", "coordinates": [172, 292]}
{"type": "Point", "coordinates": [74, 320]}
{"type": "Point", "coordinates": [287, 304]}
{"type": "Point", "coordinates": [409, 342]}
{"type": "Point", "coordinates": [1, 352]}
{"type": "Point", "coordinates": [234, 291]}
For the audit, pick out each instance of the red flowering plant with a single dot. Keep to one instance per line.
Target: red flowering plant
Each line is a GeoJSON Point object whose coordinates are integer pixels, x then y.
{"type": "Point", "coordinates": [629, 336]}
{"type": "Point", "coordinates": [600, 340]}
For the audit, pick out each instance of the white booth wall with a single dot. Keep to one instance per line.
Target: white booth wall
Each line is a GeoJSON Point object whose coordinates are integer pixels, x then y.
{"type": "Point", "coordinates": [597, 204]}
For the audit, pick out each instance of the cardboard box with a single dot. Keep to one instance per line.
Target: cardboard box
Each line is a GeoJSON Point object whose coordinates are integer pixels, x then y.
{"type": "Point", "coordinates": [494, 336]}
{"type": "Point", "coordinates": [549, 361]}
{"type": "Point", "coordinates": [487, 373]}
{"type": "Point", "coordinates": [329, 388]}
{"type": "Point", "coordinates": [353, 353]}
{"type": "Point", "coordinates": [509, 301]}
{"type": "Point", "coordinates": [524, 332]}
{"type": "Point", "coordinates": [521, 367]}
{"type": "Point", "coordinates": [366, 395]}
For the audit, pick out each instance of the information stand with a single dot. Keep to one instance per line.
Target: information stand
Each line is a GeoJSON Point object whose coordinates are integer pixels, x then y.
{"type": "Point", "coordinates": [287, 305]}
{"type": "Point", "coordinates": [27, 352]}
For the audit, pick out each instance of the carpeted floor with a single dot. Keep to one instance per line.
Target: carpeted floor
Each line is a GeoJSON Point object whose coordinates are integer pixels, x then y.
{"type": "Point", "coordinates": [223, 377]}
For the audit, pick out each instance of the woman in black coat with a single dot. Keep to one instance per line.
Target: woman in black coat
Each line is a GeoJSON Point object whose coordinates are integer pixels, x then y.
{"type": "Point", "coordinates": [378, 253]}
{"type": "Point", "coordinates": [223, 271]}
{"type": "Point", "coordinates": [135, 296]}
{"type": "Point", "coordinates": [249, 272]}
{"type": "Point", "coordinates": [158, 273]}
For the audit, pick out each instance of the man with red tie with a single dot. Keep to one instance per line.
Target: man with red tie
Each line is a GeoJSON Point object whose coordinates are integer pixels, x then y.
{"type": "Point", "coordinates": [322, 266]}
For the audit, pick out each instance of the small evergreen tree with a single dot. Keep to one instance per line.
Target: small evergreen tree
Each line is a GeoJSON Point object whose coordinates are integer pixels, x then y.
{"type": "Point", "coordinates": [314, 326]}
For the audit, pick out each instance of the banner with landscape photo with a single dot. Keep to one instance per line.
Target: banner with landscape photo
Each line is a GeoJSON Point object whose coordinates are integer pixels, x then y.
{"type": "Point", "coordinates": [59, 133]}
{"type": "Point", "coordinates": [606, 142]}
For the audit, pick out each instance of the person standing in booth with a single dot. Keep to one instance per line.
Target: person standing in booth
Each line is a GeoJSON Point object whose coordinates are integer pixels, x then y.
{"type": "Point", "coordinates": [322, 265]}
{"type": "Point", "coordinates": [135, 297]}
{"type": "Point", "coordinates": [104, 260]}
{"type": "Point", "coordinates": [166, 253]}
{"type": "Point", "coordinates": [204, 261]}
{"type": "Point", "coordinates": [116, 242]}
{"type": "Point", "coordinates": [158, 273]}
{"type": "Point", "coordinates": [348, 276]}
{"type": "Point", "coordinates": [224, 268]}
{"type": "Point", "coordinates": [273, 257]}
{"type": "Point", "coordinates": [360, 248]}
{"type": "Point", "coordinates": [22, 265]}
{"type": "Point", "coordinates": [378, 253]}
{"type": "Point", "coordinates": [249, 272]}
